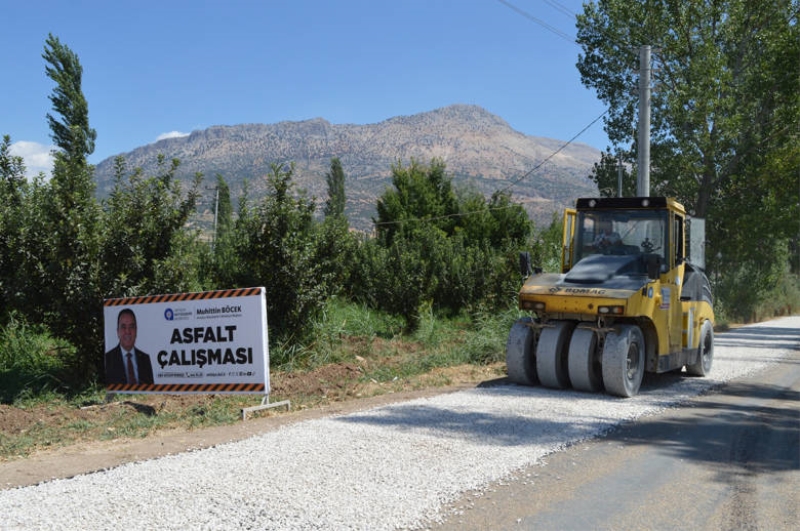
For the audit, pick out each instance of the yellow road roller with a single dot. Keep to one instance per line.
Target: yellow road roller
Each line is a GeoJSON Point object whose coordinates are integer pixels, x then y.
{"type": "Point", "coordinates": [632, 296]}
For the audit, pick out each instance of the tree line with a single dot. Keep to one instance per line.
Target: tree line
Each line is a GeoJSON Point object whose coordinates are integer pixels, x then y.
{"type": "Point", "coordinates": [62, 251]}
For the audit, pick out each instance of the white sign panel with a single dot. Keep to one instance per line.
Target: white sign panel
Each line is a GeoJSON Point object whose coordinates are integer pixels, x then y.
{"type": "Point", "coordinates": [208, 342]}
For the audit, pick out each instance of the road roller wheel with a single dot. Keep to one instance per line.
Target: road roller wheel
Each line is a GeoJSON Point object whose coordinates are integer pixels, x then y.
{"type": "Point", "coordinates": [623, 361]}
{"type": "Point", "coordinates": [585, 372]}
{"type": "Point", "coordinates": [520, 349]}
{"type": "Point", "coordinates": [551, 354]}
{"type": "Point", "coordinates": [706, 354]}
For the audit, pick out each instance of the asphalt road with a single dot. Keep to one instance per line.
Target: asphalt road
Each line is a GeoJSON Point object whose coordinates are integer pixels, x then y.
{"type": "Point", "coordinates": [727, 460]}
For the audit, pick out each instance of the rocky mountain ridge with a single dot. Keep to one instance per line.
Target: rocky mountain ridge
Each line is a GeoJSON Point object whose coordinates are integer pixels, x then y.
{"type": "Point", "coordinates": [480, 150]}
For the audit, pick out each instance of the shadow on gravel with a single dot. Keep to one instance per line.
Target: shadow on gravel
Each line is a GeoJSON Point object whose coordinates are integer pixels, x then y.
{"type": "Point", "coordinates": [484, 428]}
{"type": "Point", "coordinates": [567, 415]}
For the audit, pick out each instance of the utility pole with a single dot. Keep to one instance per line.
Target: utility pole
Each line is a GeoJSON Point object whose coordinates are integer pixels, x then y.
{"type": "Point", "coordinates": [216, 212]}
{"type": "Point", "coordinates": [643, 155]}
{"type": "Point", "coordinates": [619, 174]}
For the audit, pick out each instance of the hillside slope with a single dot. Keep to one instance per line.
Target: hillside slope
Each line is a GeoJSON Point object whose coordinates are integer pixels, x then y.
{"type": "Point", "coordinates": [479, 148]}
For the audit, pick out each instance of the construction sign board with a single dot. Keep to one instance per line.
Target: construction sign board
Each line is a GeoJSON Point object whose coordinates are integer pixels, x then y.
{"type": "Point", "coordinates": [206, 342]}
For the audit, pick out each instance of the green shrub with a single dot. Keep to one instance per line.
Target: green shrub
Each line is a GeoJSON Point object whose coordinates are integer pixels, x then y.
{"type": "Point", "coordinates": [486, 343]}
{"type": "Point", "coordinates": [276, 248]}
{"type": "Point", "coordinates": [32, 362]}
{"type": "Point", "coordinates": [752, 290]}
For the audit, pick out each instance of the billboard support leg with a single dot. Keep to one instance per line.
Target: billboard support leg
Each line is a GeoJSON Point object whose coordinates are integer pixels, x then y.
{"type": "Point", "coordinates": [265, 404]}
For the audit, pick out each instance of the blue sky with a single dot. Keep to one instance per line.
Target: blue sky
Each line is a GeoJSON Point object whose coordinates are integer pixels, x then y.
{"type": "Point", "coordinates": [155, 68]}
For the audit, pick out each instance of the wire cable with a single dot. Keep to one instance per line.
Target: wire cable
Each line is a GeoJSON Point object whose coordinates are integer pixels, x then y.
{"type": "Point", "coordinates": [560, 7]}
{"type": "Point", "coordinates": [539, 21]}
{"type": "Point", "coordinates": [556, 152]}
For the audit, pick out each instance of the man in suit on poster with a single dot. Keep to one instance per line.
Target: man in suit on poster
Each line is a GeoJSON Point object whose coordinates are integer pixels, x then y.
{"type": "Point", "coordinates": [126, 364]}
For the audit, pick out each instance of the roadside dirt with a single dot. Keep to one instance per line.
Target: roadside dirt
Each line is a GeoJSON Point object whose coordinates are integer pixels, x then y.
{"type": "Point", "coordinates": [332, 391]}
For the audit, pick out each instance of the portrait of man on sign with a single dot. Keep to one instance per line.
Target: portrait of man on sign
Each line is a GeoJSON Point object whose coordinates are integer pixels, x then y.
{"type": "Point", "coordinates": [126, 364]}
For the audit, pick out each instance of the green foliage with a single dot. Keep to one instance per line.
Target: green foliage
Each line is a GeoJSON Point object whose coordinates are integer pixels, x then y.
{"type": "Point", "coordinates": [63, 223]}
{"type": "Point", "coordinates": [72, 133]}
{"type": "Point", "coordinates": [30, 358]}
{"type": "Point", "coordinates": [341, 330]}
{"type": "Point", "coordinates": [424, 200]}
{"type": "Point", "coordinates": [68, 233]}
{"type": "Point", "coordinates": [23, 237]}
{"type": "Point", "coordinates": [335, 252]}
{"type": "Point", "coordinates": [511, 223]}
{"type": "Point", "coordinates": [221, 268]}
{"type": "Point", "coordinates": [347, 319]}
{"type": "Point", "coordinates": [369, 258]}
{"type": "Point", "coordinates": [475, 221]}
{"type": "Point", "coordinates": [486, 341]}
{"type": "Point", "coordinates": [475, 338]}
{"type": "Point", "coordinates": [758, 290]}
{"type": "Point", "coordinates": [335, 245]}
{"type": "Point", "coordinates": [224, 210]}
{"type": "Point", "coordinates": [498, 223]}
{"type": "Point", "coordinates": [461, 272]}
{"type": "Point", "coordinates": [275, 246]}
{"type": "Point", "coordinates": [394, 279]}
{"type": "Point", "coordinates": [546, 246]}
{"type": "Point", "coordinates": [62, 254]}
{"type": "Point", "coordinates": [334, 206]}
{"type": "Point", "coordinates": [430, 332]}
{"type": "Point", "coordinates": [13, 193]}
{"type": "Point", "coordinates": [724, 110]}
{"type": "Point", "coordinates": [12, 171]}
{"type": "Point", "coordinates": [432, 271]}
{"type": "Point", "coordinates": [439, 247]}
{"type": "Point", "coordinates": [605, 174]}
{"type": "Point", "coordinates": [65, 253]}
{"type": "Point", "coordinates": [146, 246]}
{"type": "Point", "coordinates": [422, 197]}
{"type": "Point", "coordinates": [403, 279]}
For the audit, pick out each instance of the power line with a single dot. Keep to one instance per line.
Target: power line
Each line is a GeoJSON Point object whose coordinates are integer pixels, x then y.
{"type": "Point", "coordinates": [539, 21]}
{"type": "Point", "coordinates": [556, 152]}
{"type": "Point", "coordinates": [561, 7]}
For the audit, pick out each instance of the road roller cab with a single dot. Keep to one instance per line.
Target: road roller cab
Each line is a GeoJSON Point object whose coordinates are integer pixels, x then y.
{"type": "Point", "coordinates": [631, 297]}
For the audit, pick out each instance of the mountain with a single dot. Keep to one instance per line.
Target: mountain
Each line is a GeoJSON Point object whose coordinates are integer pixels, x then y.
{"type": "Point", "coordinates": [479, 149]}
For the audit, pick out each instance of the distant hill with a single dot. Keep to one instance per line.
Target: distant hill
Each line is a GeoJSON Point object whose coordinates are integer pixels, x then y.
{"type": "Point", "coordinates": [479, 148]}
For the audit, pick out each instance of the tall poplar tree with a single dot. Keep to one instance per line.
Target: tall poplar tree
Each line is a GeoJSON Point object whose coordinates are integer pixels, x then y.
{"type": "Point", "coordinates": [724, 114]}
{"type": "Point", "coordinates": [69, 298]}
{"type": "Point", "coordinates": [335, 204]}
{"type": "Point", "coordinates": [71, 133]}
{"type": "Point", "coordinates": [224, 214]}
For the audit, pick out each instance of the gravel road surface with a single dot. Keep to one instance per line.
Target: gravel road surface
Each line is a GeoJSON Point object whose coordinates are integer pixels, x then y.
{"type": "Point", "coordinates": [392, 467]}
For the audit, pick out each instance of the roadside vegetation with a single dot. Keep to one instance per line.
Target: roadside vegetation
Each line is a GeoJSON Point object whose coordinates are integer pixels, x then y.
{"type": "Point", "coordinates": [358, 353]}
{"type": "Point", "coordinates": [431, 292]}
